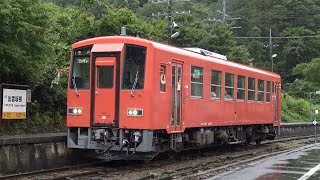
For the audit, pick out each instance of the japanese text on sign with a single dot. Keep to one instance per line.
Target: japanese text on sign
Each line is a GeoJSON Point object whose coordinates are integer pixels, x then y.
{"type": "Point", "coordinates": [14, 104]}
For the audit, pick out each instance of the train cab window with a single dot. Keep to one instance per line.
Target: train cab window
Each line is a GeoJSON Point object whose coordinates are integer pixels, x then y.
{"type": "Point", "coordinates": [251, 89]}
{"type": "Point", "coordinates": [215, 84]}
{"type": "Point", "coordinates": [268, 94]}
{"type": "Point", "coordinates": [162, 78]}
{"type": "Point", "coordinates": [229, 87]}
{"type": "Point", "coordinates": [260, 90]}
{"type": "Point", "coordinates": [134, 67]}
{"type": "Point", "coordinates": [241, 88]}
{"type": "Point", "coordinates": [105, 76]}
{"type": "Point", "coordinates": [196, 82]}
{"type": "Point", "coordinates": [80, 73]}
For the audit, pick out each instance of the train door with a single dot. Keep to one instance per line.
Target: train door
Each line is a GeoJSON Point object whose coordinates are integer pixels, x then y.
{"type": "Point", "coordinates": [105, 89]}
{"type": "Point", "coordinates": [176, 94]}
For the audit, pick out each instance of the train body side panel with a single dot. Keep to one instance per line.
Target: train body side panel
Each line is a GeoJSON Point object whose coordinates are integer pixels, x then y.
{"type": "Point", "coordinates": [201, 112]}
{"type": "Point", "coordinates": [196, 112]}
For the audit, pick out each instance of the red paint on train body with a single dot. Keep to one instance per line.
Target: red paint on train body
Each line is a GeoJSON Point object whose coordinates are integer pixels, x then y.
{"type": "Point", "coordinates": [195, 111]}
{"type": "Point", "coordinates": [165, 88]}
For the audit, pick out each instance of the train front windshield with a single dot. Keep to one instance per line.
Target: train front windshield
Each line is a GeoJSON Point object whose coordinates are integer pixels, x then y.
{"type": "Point", "coordinates": [80, 76]}
{"type": "Point", "coordinates": [134, 67]}
{"type": "Point", "coordinates": [133, 72]}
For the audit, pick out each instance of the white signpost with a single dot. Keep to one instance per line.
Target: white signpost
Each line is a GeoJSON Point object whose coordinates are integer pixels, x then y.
{"type": "Point", "coordinates": [14, 104]}
{"type": "Point", "coordinates": [315, 125]}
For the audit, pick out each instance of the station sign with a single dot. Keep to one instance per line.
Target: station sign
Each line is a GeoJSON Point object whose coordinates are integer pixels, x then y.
{"type": "Point", "coordinates": [14, 101]}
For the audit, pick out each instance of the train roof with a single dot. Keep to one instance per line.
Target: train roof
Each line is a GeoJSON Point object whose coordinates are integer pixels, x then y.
{"type": "Point", "coordinates": [214, 57]}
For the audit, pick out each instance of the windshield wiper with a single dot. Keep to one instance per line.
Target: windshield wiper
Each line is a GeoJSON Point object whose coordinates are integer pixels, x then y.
{"type": "Point", "coordinates": [75, 85]}
{"type": "Point", "coordinates": [134, 84]}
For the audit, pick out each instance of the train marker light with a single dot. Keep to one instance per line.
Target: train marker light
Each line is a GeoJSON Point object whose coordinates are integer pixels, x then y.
{"type": "Point", "coordinates": [135, 112]}
{"type": "Point", "coordinates": [75, 111]}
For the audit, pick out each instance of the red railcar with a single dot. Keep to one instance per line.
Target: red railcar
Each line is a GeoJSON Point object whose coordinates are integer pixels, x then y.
{"type": "Point", "coordinates": [131, 97]}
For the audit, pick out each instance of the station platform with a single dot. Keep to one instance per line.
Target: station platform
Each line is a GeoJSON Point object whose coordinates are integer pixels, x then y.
{"type": "Point", "coordinates": [33, 138]}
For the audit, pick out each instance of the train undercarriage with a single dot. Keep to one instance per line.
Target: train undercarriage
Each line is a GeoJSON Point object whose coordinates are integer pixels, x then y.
{"type": "Point", "coordinates": [119, 144]}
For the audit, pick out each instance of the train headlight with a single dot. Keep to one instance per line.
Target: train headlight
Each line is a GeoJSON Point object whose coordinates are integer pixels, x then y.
{"type": "Point", "coordinates": [135, 112]}
{"type": "Point", "coordinates": [76, 111]}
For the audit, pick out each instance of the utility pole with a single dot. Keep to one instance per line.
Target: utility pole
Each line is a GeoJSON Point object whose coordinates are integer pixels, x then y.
{"type": "Point", "coordinates": [270, 50]}
{"type": "Point", "coordinates": [310, 101]}
{"type": "Point", "coordinates": [169, 21]}
{"type": "Point", "coordinates": [170, 14]}
{"type": "Point", "coordinates": [225, 16]}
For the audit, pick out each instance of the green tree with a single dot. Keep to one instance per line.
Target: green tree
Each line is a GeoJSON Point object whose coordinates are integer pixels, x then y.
{"type": "Point", "coordinates": [310, 71]}
{"type": "Point", "coordinates": [25, 47]}
{"type": "Point", "coordinates": [113, 20]}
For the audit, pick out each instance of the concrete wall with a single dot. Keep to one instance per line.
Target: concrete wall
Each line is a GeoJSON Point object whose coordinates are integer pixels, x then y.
{"type": "Point", "coordinates": [30, 153]}
{"type": "Point", "coordinates": [298, 129]}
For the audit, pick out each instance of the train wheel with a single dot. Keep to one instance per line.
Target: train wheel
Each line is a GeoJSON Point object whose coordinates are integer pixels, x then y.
{"type": "Point", "coordinates": [172, 154]}
{"type": "Point", "coordinates": [258, 141]}
{"type": "Point", "coordinates": [248, 140]}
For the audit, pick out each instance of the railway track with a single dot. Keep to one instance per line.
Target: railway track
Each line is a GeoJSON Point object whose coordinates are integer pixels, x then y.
{"type": "Point", "coordinates": [223, 162]}
{"type": "Point", "coordinates": [47, 171]}
{"type": "Point", "coordinates": [196, 164]}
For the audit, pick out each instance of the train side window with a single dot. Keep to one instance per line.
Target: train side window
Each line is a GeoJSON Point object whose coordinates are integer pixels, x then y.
{"type": "Point", "coordinates": [260, 90]}
{"type": "Point", "coordinates": [268, 94]}
{"type": "Point", "coordinates": [196, 82]}
{"type": "Point", "coordinates": [251, 89]}
{"type": "Point", "coordinates": [241, 88]}
{"type": "Point", "coordinates": [229, 86]}
{"type": "Point", "coordinates": [215, 84]}
{"type": "Point", "coordinates": [162, 78]}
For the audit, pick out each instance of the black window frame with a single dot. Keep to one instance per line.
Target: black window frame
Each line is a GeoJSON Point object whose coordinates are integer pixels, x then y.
{"type": "Point", "coordinates": [261, 91]}
{"type": "Point", "coordinates": [250, 90]}
{"type": "Point", "coordinates": [163, 69]}
{"type": "Point", "coordinates": [229, 87]}
{"type": "Point", "coordinates": [85, 53]}
{"type": "Point", "coordinates": [124, 82]}
{"type": "Point", "coordinates": [214, 85]}
{"type": "Point", "coordinates": [109, 83]}
{"type": "Point", "coordinates": [243, 89]}
{"type": "Point", "coordinates": [195, 82]}
{"type": "Point", "coordinates": [268, 92]}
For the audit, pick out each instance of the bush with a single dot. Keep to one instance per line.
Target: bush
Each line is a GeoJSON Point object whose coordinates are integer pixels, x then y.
{"type": "Point", "coordinates": [296, 109]}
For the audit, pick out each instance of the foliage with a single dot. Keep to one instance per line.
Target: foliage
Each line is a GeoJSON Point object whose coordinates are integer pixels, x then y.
{"type": "Point", "coordinates": [296, 109]}
{"type": "Point", "coordinates": [309, 70]}
{"type": "Point", "coordinates": [309, 79]}
{"type": "Point", "coordinates": [111, 23]}
{"type": "Point", "coordinates": [25, 50]}
{"type": "Point", "coordinates": [36, 36]}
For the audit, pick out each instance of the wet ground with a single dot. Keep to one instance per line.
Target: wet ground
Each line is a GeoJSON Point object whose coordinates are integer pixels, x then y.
{"type": "Point", "coordinates": [197, 164]}
{"type": "Point", "coordinates": [300, 164]}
